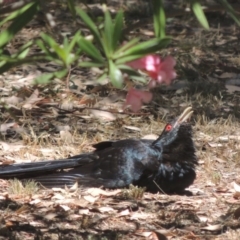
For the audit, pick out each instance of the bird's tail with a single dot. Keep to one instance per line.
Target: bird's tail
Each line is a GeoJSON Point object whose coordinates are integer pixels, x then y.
{"type": "Point", "coordinates": [35, 169]}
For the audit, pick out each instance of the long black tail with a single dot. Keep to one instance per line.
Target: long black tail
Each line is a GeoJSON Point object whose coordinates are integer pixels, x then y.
{"type": "Point", "coordinates": [34, 169]}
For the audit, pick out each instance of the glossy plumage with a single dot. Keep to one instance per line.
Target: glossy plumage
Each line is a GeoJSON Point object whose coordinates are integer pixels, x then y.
{"type": "Point", "coordinates": [166, 164]}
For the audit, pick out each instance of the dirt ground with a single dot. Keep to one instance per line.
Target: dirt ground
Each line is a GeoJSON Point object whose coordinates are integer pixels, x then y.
{"type": "Point", "coordinates": [64, 118]}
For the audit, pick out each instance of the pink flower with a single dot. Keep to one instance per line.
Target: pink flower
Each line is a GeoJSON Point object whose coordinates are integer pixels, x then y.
{"type": "Point", "coordinates": [135, 98]}
{"type": "Point", "coordinates": [159, 70]}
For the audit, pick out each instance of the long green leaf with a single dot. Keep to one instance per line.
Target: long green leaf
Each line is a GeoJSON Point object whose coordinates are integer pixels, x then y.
{"type": "Point", "coordinates": [50, 55]}
{"type": "Point", "coordinates": [108, 32]}
{"type": "Point", "coordinates": [124, 47]}
{"type": "Point", "coordinates": [159, 19]}
{"type": "Point", "coordinates": [71, 6]}
{"type": "Point", "coordinates": [62, 53]}
{"type": "Point", "coordinates": [90, 49]}
{"type": "Point", "coordinates": [199, 13]}
{"type": "Point", "coordinates": [117, 30]}
{"type": "Point", "coordinates": [230, 11]}
{"type": "Point", "coordinates": [44, 78]}
{"type": "Point", "coordinates": [25, 15]}
{"type": "Point", "coordinates": [115, 75]}
{"type": "Point", "coordinates": [102, 77]}
{"type": "Point", "coordinates": [147, 47]}
{"type": "Point", "coordinates": [128, 58]}
{"type": "Point", "coordinates": [75, 39]}
{"type": "Point", "coordinates": [91, 25]}
{"type": "Point", "coordinates": [90, 64]}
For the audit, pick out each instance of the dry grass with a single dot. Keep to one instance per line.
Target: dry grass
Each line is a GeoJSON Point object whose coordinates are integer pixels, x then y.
{"type": "Point", "coordinates": [23, 187]}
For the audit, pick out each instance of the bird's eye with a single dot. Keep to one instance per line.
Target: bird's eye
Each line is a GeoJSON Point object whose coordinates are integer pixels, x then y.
{"type": "Point", "coordinates": [168, 127]}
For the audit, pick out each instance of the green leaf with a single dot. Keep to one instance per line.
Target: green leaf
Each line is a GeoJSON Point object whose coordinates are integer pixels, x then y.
{"type": "Point", "coordinates": [44, 78]}
{"type": "Point", "coordinates": [50, 55]}
{"type": "Point", "coordinates": [115, 75]}
{"type": "Point", "coordinates": [230, 11]}
{"type": "Point", "coordinates": [138, 78]}
{"type": "Point", "coordinates": [128, 58]}
{"type": "Point", "coordinates": [62, 53]}
{"type": "Point", "coordinates": [108, 32]}
{"type": "Point", "coordinates": [102, 77]}
{"type": "Point", "coordinates": [159, 19]}
{"type": "Point", "coordinates": [75, 40]}
{"type": "Point", "coordinates": [148, 47]}
{"type": "Point", "coordinates": [199, 13]}
{"type": "Point", "coordinates": [90, 49]}
{"type": "Point", "coordinates": [124, 47]}
{"type": "Point", "coordinates": [61, 73]}
{"type": "Point", "coordinates": [90, 24]}
{"type": "Point", "coordinates": [25, 14]}
{"type": "Point", "coordinates": [71, 7]}
{"type": "Point", "coordinates": [133, 74]}
{"type": "Point", "coordinates": [47, 77]}
{"type": "Point", "coordinates": [117, 30]}
{"type": "Point", "coordinates": [90, 64]}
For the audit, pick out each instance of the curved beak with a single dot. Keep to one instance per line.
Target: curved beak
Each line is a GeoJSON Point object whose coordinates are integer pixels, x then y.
{"type": "Point", "coordinates": [187, 113]}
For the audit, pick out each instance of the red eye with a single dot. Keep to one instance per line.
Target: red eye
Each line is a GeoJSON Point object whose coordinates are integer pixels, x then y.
{"type": "Point", "coordinates": [168, 127]}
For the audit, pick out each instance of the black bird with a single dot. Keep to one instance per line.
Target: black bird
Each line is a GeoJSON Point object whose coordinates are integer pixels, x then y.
{"type": "Point", "coordinates": [166, 164]}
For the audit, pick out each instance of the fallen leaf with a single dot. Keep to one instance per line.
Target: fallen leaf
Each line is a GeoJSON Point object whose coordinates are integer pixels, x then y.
{"type": "Point", "coordinates": [84, 211]}
{"type": "Point", "coordinates": [90, 199]}
{"type": "Point", "coordinates": [232, 89]}
{"type": "Point", "coordinates": [106, 209]}
{"type": "Point", "coordinates": [99, 191]}
{"type": "Point", "coordinates": [103, 115]}
{"type": "Point", "coordinates": [65, 208]}
{"type": "Point", "coordinates": [132, 128]}
{"type": "Point", "coordinates": [216, 227]}
{"type": "Point", "coordinates": [236, 187]}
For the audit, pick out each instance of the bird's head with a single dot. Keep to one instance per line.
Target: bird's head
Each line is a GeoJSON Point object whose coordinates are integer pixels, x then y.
{"type": "Point", "coordinates": [175, 140]}
{"type": "Point", "coordinates": [178, 128]}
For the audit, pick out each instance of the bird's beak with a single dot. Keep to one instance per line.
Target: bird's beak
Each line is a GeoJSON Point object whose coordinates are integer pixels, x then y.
{"type": "Point", "coordinates": [187, 113]}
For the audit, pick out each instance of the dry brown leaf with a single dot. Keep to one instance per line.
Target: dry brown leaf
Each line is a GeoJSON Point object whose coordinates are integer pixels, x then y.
{"type": "Point", "coordinates": [12, 100]}
{"type": "Point", "coordinates": [98, 191]}
{"type": "Point", "coordinates": [103, 115]}
{"type": "Point", "coordinates": [50, 216]}
{"type": "Point", "coordinates": [65, 208]}
{"type": "Point", "coordinates": [236, 195]}
{"type": "Point", "coordinates": [216, 227]}
{"type": "Point", "coordinates": [236, 187]}
{"type": "Point", "coordinates": [214, 145]}
{"type": "Point", "coordinates": [228, 75]}
{"type": "Point", "coordinates": [232, 89]}
{"type": "Point", "coordinates": [6, 126]}
{"type": "Point", "coordinates": [106, 209]}
{"type": "Point", "coordinates": [124, 213]}
{"type": "Point", "coordinates": [229, 137]}
{"type": "Point", "coordinates": [150, 136]}
{"type": "Point", "coordinates": [87, 100]}
{"type": "Point", "coordinates": [84, 211]}
{"type": "Point", "coordinates": [132, 128]}
{"type": "Point", "coordinates": [23, 209]}
{"type": "Point", "coordinates": [35, 202]}
{"type": "Point", "coordinates": [67, 105]}
{"type": "Point", "coordinates": [58, 196]}
{"type": "Point", "coordinates": [90, 199]}
{"type": "Point", "coordinates": [66, 136]}
{"type": "Point", "coordinates": [32, 100]}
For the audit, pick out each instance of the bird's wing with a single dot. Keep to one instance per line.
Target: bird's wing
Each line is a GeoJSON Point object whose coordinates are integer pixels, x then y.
{"type": "Point", "coordinates": [120, 143]}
